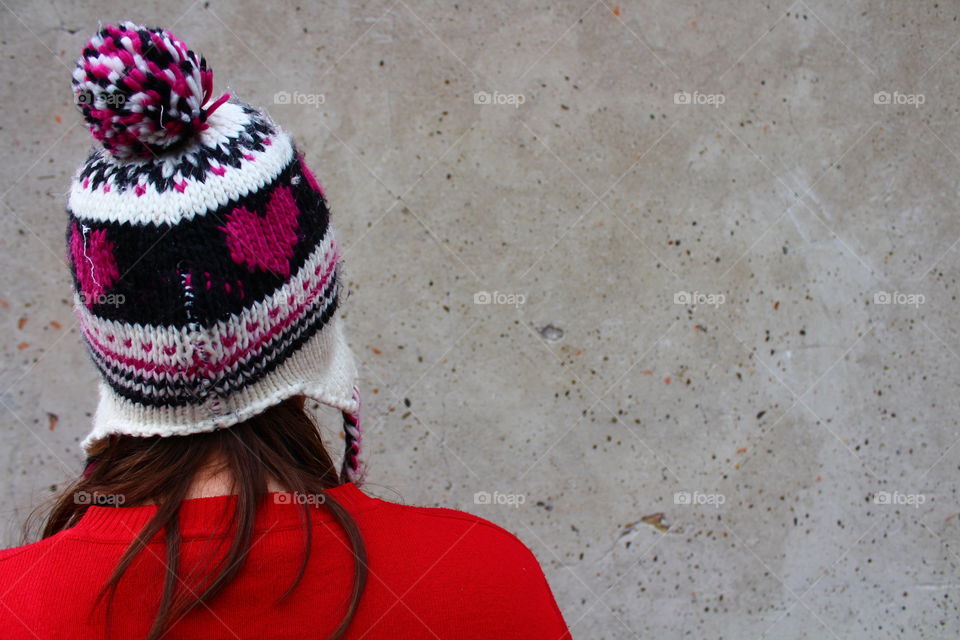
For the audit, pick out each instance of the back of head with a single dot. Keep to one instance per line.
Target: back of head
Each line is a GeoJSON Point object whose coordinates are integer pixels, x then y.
{"type": "Point", "coordinates": [206, 271]}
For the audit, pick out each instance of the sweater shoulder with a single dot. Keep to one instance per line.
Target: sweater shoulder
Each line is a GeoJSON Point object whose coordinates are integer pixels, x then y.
{"type": "Point", "coordinates": [461, 538]}
{"type": "Point", "coordinates": [456, 520]}
{"type": "Point", "coordinates": [14, 554]}
{"type": "Point", "coordinates": [472, 564]}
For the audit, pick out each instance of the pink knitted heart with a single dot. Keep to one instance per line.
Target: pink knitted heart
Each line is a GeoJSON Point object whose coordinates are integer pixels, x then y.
{"type": "Point", "coordinates": [94, 263]}
{"type": "Point", "coordinates": [265, 242]}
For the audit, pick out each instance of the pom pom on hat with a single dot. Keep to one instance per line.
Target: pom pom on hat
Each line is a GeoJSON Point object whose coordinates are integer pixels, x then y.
{"type": "Point", "coordinates": [141, 90]}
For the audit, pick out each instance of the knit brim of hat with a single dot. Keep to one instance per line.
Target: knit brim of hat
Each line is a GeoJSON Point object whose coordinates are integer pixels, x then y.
{"type": "Point", "coordinates": [323, 369]}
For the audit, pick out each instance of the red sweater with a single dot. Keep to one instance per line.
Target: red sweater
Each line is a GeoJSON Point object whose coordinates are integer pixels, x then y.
{"type": "Point", "coordinates": [434, 573]}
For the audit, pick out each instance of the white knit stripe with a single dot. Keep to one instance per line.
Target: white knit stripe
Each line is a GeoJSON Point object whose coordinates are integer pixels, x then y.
{"type": "Point", "coordinates": [158, 385]}
{"type": "Point", "coordinates": [173, 206]}
{"type": "Point", "coordinates": [181, 340]}
{"type": "Point", "coordinates": [323, 369]}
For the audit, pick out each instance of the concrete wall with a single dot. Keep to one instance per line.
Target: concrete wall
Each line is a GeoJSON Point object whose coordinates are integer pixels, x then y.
{"type": "Point", "coordinates": [690, 213]}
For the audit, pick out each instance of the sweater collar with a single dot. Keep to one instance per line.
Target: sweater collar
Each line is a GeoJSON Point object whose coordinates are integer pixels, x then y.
{"type": "Point", "coordinates": [201, 517]}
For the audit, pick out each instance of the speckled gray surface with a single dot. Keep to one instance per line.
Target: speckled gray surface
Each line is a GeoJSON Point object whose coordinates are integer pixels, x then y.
{"type": "Point", "coordinates": [715, 388]}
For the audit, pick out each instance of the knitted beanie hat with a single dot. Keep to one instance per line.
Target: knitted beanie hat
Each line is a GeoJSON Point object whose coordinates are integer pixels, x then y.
{"type": "Point", "coordinates": [205, 269]}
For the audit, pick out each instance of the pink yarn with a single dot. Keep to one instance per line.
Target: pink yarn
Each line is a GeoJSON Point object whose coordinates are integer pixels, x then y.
{"type": "Point", "coordinates": [256, 342]}
{"type": "Point", "coordinates": [94, 262]}
{"type": "Point", "coordinates": [311, 179]}
{"type": "Point", "coordinates": [265, 242]}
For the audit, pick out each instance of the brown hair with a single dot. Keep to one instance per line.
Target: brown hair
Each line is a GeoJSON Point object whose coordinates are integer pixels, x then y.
{"type": "Point", "coordinates": [283, 442]}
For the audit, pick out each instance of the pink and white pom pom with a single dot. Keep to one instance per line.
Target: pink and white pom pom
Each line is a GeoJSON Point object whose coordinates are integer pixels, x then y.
{"type": "Point", "coordinates": [141, 90]}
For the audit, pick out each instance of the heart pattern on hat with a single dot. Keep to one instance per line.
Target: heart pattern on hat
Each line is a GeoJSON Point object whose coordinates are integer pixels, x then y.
{"type": "Point", "coordinates": [93, 262]}
{"type": "Point", "coordinates": [266, 242]}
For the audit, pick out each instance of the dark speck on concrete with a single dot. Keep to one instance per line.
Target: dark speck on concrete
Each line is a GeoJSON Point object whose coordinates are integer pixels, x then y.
{"type": "Point", "coordinates": [551, 333]}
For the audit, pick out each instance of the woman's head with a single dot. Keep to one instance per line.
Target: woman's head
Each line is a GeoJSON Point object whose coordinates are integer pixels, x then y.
{"type": "Point", "coordinates": [206, 269]}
